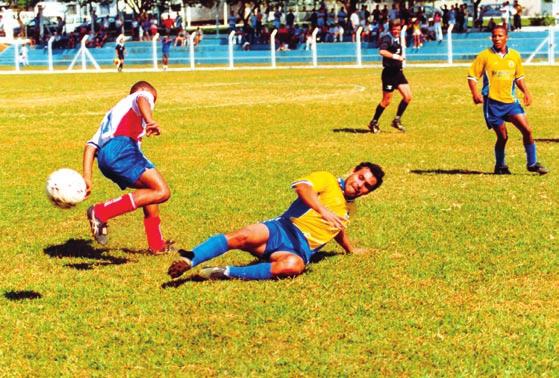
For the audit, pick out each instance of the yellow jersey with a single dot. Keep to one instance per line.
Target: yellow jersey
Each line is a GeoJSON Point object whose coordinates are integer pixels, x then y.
{"type": "Point", "coordinates": [499, 72]}
{"type": "Point", "coordinates": [331, 194]}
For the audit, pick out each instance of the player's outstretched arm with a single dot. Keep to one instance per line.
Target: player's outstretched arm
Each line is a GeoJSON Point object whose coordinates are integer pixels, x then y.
{"type": "Point", "coordinates": [152, 128]}
{"type": "Point", "coordinates": [88, 158]}
{"type": "Point", "coordinates": [307, 194]}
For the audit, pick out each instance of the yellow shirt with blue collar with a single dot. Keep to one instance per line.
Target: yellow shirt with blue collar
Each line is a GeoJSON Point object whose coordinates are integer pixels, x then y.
{"type": "Point", "coordinates": [500, 72]}
{"type": "Point", "coordinates": [330, 192]}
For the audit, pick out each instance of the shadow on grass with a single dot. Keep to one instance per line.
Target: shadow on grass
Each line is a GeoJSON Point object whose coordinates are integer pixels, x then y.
{"type": "Point", "coordinates": [80, 248]}
{"type": "Point", "coordinates": [316, 258]}
{"type": "Point", "coordinates": [448, 172]}
{"type": "Point", "coordinates": [351, 130]}
{"type": "Point", "coordinates": [20, 295]}
{"type": "Point", "coordinates": [547, 140]}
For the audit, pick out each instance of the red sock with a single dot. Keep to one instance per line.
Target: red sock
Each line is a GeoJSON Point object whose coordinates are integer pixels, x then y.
{"type": "Point", "coordinates": [153, 233]}
{"type": "Point", "coordinates": [114, 207]}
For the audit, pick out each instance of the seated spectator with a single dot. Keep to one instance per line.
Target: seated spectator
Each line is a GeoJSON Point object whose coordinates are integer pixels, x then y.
{"type": "Point", "coordinates": [198, 37]}
{"type": "Point", "coordinates": [182, 38]}
{"type": "Point", "coordinates": [338, 33]}
{"type": "Point", "coordinates": [168, 24]}
{"type": "Point", "coordinates": [153, 28]}
{"type": "Point", "coordinates": [283, 37]}
{"type": "Point", "coordinates": [490, 25]}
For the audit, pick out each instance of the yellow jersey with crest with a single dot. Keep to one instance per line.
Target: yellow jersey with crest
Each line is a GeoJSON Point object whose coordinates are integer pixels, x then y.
{"type": "Point", "coordinates": [330, 192]}
{"type": "Point", "coordinates": [500, 72]}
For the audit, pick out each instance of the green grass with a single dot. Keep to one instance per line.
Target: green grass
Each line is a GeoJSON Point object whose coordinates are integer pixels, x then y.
{"type": "Point", "coordinates": [461, 277]}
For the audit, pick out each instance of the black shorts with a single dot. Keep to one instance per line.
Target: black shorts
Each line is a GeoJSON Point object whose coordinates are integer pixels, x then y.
{"type": "Point", "coordinates": [391, 79]}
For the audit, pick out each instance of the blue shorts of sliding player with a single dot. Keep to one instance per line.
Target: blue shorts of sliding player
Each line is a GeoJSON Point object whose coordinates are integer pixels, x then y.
{"type": "Point", "coordinates": [284, 236]}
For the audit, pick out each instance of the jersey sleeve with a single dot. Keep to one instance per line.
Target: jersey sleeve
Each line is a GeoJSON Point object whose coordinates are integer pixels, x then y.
{"type": "Point", "coordinates": [95, 140]}
{"type": "Point", "coordinates": [320, 181]}
{"type": "Point", "coordinates": [477, 67]}
{"type": "Point", "coordinates": [145, 94]}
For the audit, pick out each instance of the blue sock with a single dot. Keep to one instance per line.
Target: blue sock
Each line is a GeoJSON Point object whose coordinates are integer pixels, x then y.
{"type": "Point", "coordinates": [262, 271]}
{"type": "Point", "coordinates": [531, 157]}
{"type": "Point", "coordinates": [499, 156]}
{"type": "Point", "coordinates": [213, 247]}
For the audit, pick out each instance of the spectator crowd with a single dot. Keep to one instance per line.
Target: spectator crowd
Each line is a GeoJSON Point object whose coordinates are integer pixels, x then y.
{"type": "Point", "coordinates": [254, 22]}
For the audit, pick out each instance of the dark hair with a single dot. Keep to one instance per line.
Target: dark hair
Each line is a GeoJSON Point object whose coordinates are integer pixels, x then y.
{"type": "Point", "coordinates": [142, 85]}
{"type": "Point", "coordinates": [393, 23]}
{"type": "Point", "coordinates": [503, 27]}
{"type": "Point", "coordinates": [375, 169]}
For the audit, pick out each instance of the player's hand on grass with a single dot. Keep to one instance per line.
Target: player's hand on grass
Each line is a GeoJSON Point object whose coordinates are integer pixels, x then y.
{"type": "Point", "coordinates": [333, 219]}
{"type": "Point", "coordinates": [152, 128]}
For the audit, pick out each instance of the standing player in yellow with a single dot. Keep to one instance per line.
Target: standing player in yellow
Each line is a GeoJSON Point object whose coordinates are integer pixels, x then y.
{"type": "Point", "coordinates": [286, 244]}
{"type": "Point", "coordinates": [502, 72]}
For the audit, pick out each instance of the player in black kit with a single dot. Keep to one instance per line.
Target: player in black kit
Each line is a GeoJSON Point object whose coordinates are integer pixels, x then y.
{"type": "Point", "coordinates": [392, 77]}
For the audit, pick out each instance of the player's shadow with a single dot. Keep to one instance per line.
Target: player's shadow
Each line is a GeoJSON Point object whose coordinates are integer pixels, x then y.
{"type": "Point", "coordinates": [319, 256]}
{"type": "Point", "coordinates": [448, 172]}
{"type": "Point", "coordinates": [20, 295]}
{"type": "Point", "coordinates": [80, 248]}
{"type": "Point", "coordinates": [315, 259]}
{"type": "Point", "coordinates": [547, 140]}
{"type": "Point", "coordinates": [352, 130]}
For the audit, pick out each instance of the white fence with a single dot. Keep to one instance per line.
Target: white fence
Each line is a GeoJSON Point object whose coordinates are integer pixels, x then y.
{"type": "Point", "coordinates": [543, 52]}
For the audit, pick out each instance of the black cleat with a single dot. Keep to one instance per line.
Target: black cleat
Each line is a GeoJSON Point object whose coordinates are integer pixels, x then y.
{"type": "Point", "coordinates": [213, 273]}
{"type": "Point", "coordinates": [178, 267]}
{"type": "Point", "coordinates": [538, 168]}
{"type": "Point", "coordinates": [502, 170]}
{"type": "Point", "coordinates": [397, 124]}
{"type": "Point", "coordinates": [373, 126]}
{"type": "Point", "coordinates": [99, 230]}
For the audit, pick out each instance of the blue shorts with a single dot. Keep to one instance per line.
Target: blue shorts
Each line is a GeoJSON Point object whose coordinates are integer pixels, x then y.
{"type": "Point", "coordinates": [122, 161]}
{"type": "Point", "coordinates": [284, 236]}
{"type": "Point", "coordinates": [496, 112]}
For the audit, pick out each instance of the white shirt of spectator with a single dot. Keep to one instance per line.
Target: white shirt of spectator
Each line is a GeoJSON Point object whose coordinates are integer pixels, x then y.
{"type": "Point", "coordinates": [354, 18]}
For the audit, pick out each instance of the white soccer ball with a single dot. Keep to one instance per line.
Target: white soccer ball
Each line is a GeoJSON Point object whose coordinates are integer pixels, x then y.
{"type": "Point", "coordinates": [65, 188]}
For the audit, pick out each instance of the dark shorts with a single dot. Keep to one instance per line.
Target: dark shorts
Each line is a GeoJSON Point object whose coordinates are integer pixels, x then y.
{"type": "Point", "coordinates": [496, 112]}
{"type": "Point", "coordinates": [391, 79]}
{"type": "Point", "coordinates": [285, 237]}
{"type": "Point", "coordinates": [122, 161]}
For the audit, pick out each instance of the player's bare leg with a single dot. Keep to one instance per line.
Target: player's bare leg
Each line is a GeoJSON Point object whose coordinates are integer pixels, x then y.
{"type": "Point", "coordinates": [152, 191]}
{"type": "Point", "coordinates": [520, 121]}
{"type": "Point", "coordinates": [501, 167]}
{"type": "Point", "coordinates": [251, 239]}
{"type": "Point", "coordinates": [405, 91]}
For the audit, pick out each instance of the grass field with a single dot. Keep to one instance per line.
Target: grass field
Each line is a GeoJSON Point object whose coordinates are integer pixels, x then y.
{"type": "Point", "coordinates": [461, 275]}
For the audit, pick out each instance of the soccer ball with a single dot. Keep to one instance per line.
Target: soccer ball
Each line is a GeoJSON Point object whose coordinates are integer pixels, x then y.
{"type": "Point", "coordinates": [65, 188]}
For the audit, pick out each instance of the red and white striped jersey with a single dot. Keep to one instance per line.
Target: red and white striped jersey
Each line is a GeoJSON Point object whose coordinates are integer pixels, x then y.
{"type": "Point", "coordinates": [124, 119]}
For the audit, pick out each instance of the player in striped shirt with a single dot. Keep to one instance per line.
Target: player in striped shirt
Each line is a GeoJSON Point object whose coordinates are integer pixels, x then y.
{"type": "Point", "coordinates": [116, 145]}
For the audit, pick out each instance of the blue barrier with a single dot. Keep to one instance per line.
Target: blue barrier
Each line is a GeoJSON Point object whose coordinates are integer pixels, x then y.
{"type": "Point", "coordinates": [213, 51]}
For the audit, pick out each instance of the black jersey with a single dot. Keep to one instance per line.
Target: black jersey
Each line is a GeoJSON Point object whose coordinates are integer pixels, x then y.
{"type": "Point", "coordinates": [389, 43]}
